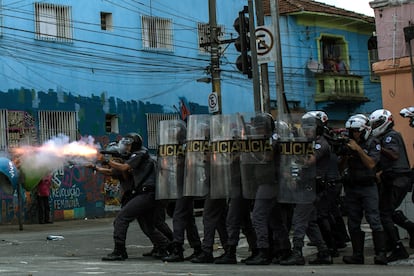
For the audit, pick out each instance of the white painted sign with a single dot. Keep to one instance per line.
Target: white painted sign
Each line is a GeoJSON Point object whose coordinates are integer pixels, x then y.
{"type": "Point", "coordinates": [213, 105]}
{"type": "Point", "coordinates": [265, 45]}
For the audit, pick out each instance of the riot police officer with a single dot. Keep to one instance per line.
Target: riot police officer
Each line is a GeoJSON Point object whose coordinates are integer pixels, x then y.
{"type": "Point", "coordinates": [259, 183]}
{"type": "Point", "coordinates": [137, 178]}
{"type": "Point", "coordinates": [225, 177]}
{"type": "Point", "coordinates": [305, 214]}
{"type": "Point", "coordinates": [395, 177]}
{"type": "Point", "coordinates": [361, 193]}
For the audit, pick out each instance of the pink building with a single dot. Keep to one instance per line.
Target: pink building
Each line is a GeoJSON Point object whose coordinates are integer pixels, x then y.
{"type": "Point", "coordinates": [394, 20]}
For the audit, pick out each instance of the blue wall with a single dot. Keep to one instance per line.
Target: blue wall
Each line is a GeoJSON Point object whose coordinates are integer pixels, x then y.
{"type": "Point", "coordinates": [108, 72]}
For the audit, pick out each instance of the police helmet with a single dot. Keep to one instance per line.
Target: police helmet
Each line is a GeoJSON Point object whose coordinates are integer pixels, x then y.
{"type": "Point", "coordinates": [381, 120]}
{"type": "Point", "coordinates": [408, 112]}
{"type": "Point", "coordinates": [133, 139]}
{"type": "Point", "coordinates": [360, 123]}
{"type": "Point", "coordinates": [264, 123]}
{"type": "Point", "coordinates": [316, 118]}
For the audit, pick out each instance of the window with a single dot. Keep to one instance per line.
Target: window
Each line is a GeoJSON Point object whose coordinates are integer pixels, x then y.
{"type": "Point", "coordinates": [373, 56]}
{"type": "Point", "coordinates": [157, 33]}
{"type": "Point", "coordinates": [53, 22]}
{"type": "Point", "coordinates": [106, 21]}
{"type": "Point", "coordinates": [204, 36]}
{"type": "Point", "coordinates": [333, 49]}
{"type": "Point", "coordinates": [16, 128]}
{"type": "Point", "coordinates": [153, 120]}
{"type": "Point", "coordinates": [111, 123]}
{"type": "Point", "coordinates": [53, 123]}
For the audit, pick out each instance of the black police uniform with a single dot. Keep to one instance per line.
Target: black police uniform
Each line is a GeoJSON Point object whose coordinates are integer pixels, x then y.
{"type": "Point", "coordinates": [184, 222]}
{"type": "Point", "coordinates": [361, 197]}
{"type": "Point", "coordinates": [327, 191]}
{"type": "Point", "coordinates": [238, 219]}
{"type": "Point", "coordinates": [395, 184]}
{"type": "Point", "coordinates": [305, 214]}
{"type": "Point", "coordinates": [138, 203]}
{"type": "Point", "coordinates": [280, 223]}
{"type": "Point", "coordinates": [214, 219]}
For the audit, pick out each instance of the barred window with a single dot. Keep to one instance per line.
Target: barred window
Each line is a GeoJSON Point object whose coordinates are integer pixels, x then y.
{"type": "Point", "coordinates": [53, 123]}
{"type": "Point", "coordinates": [153, 121]}
{"type": "Point", "coordinates": [17, 128]}
{"type": "Point", "coordinates": [53, 22]}
{"type": "Point", "coordinates": [157, 33]}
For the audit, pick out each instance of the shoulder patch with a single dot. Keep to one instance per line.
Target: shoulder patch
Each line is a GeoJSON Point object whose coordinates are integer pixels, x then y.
{"type": "Point", "coordinates": [318, 146]}
{"type": "Point", "coordinates": [378, 147]}
{"type": "Point", "coordinates": [388, 139]}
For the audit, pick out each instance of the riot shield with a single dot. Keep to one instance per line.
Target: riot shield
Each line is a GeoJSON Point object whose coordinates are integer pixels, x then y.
{"type": "Point", "coordinates": [296, 177]}
{"type": "Point", "coordinates": [197, 156]}
{"type": "Point", "coordinates": [170, 159]}
{"type": "Point", "coordinates": [225, 133]}
{"type": "Point", "coordinates": [257, 164]}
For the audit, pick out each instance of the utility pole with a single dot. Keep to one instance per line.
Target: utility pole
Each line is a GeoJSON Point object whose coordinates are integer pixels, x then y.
{"type": "Point", "coordinates": [282, 106]}
{"type": "Point", "coordinates": [264, 70]}
{"type": "Point", "coordinates": [215, 59]}
{"type": "Point", "coordinates": [255, 69]}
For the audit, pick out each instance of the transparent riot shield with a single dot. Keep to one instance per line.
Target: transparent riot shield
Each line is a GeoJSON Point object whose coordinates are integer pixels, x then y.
{"type": "Point", "coordinates": [257, 163]}
{"type": "Point", "coordinates": [296, 177]}
{"type": "Point", "coordinates": [197, 159]}
{"type": "Point", "coordinates": [170, 159]}
{"type": "Point", "coordinates": [225, 133]}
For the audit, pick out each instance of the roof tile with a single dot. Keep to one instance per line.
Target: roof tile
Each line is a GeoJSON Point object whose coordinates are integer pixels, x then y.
{"type": "Point", "coordinates": [291, 6]}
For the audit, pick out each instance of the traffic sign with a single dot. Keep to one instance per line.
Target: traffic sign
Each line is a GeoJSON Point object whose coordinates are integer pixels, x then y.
{"type": "Point", "coordinates": [265, 45]}
{"type": "Point", "coordinates": [213, 105]}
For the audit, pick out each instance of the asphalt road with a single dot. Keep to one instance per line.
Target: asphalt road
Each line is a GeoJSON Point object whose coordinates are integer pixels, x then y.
{"type": "Point", "coordinates": [28, 252]}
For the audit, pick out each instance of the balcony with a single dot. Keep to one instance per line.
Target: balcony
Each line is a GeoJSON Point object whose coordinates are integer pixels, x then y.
{"type": "Point", "coordinates": [346, 88]}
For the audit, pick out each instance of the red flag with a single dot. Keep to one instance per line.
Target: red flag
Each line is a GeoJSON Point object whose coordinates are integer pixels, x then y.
{"type": "Point", "coordinates": [184, 111]}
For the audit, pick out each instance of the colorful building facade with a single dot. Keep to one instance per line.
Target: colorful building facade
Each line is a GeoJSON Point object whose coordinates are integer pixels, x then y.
{"type": "Point", "coordinates": [105, 68]}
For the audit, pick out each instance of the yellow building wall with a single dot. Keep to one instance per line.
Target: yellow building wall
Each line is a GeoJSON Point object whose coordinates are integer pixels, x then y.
{"type": "Point", "coordinates": [398, 92]}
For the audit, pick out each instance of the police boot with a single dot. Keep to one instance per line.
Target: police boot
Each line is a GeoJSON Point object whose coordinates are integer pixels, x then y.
{"type": "Point", "coordinates": [328, 237]}
{"type": "Point", "coordinates": [197, 251]}
{"type": "Point", "coordinates": [119, 253]}
{"type": "Point", "coordinates": [203, 258]}
{"type": "Point", "coordinates": [357, 240]}
{"type": "Point", "coordinates": [281, 255]}
{"type": "Point", "coordinates": [176, 254]}
{"type": "Point", "coordinates": [229, 256]}
{"type": "Point", "coordinates": [379, 247]}
{"type": "Point", "coordinates": [160, 252]}
{"type": "Point", "coordinates": [323, 257]}
{"type": "Point", "coordinates": [254, 253]}
{"type": "Point", "coordinates": [262, 258]}
{"type": "Point", "coordinates": [398, 251]}
{"type": "Point", "coordinates": [401, 220]}
{"type": "Point", "coordinates": [296, 258]}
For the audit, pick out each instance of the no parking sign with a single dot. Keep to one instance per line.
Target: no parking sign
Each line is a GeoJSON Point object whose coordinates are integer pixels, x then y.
{"type": "Point", "coordinates": [213, 105]}
{"type": "Point", "coordinates": [265, 45]}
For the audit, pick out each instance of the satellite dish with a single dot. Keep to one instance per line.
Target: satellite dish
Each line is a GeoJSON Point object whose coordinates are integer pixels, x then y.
{"type": "Point", "coordinates": [315, 66]}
